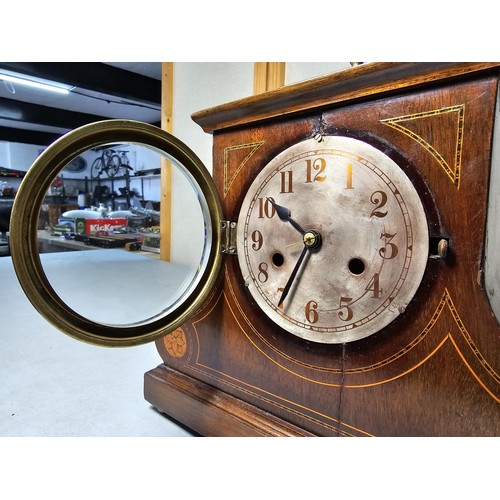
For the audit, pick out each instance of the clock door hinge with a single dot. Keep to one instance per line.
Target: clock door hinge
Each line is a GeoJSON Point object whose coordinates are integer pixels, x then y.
{"type": "Point", "coordinates": [228, 229]}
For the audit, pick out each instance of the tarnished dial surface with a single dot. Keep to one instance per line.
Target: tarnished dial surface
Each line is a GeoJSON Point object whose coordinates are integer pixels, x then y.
{"type": "Point", "coordinates": [332, 240]}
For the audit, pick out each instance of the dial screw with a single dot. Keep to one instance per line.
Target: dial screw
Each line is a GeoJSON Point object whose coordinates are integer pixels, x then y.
{"type": "Point", "coordinates": [318, 137]}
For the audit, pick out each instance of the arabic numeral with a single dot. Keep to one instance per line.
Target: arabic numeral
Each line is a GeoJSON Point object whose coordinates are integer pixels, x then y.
{"type": "Point", "coordinates": [374, 286]}
{"type": "Point", "coordinates": [286, 182]}
{"type": "Point", "coordinates": [266, 208]}
{"type": "Point", "coordinates": [345, 314]}
{"type": "Point", "coordinates": [349, 177]}
{"type": "Point", "coordinates": [311, 312]}
{"type": "Point", "coordinates": [263, 276]}
{"type": "Point", "coordinates": [319, 164]}
{"type": "Point", "coordinates": [257, 240]}
{"type": "Point", "coordinates": [389, 250]}
{"type": "Point", "coordinates": [378, 198]}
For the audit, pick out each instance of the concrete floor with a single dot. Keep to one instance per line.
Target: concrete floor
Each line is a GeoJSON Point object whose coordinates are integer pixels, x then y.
{"type": "Point", "coordinates": [52, 385]}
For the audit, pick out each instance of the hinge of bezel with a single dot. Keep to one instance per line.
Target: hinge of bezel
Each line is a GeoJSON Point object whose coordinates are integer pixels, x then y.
{"type": "Point", "coordinates": [228, 229]}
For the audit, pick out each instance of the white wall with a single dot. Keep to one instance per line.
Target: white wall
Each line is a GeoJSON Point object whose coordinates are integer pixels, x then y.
{"type": "Point", "coordinates": [18, 156]}
{"type": "Point", "coordinates": [300, 71]}
{"type": "Point", "coordinates": [198, 86]}
{"type": "Point", "coordinates": [5, 154]}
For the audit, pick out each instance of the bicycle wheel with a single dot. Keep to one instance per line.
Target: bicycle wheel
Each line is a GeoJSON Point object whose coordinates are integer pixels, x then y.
{"type": "Point", "coordinates": [113, 165]}
{"type": "Point", "coordinates": [97, 168]}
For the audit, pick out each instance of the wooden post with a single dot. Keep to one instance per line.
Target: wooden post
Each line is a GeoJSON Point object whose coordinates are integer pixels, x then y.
{"type": "Point", "coordinates": [167, 93]}
{"type": "Point", "coordinates": [268, 76]}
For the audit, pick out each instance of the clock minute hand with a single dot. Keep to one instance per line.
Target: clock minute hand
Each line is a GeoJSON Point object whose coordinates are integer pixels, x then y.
{"type": "Point", "coordinates": [292, 276]}
{"type": "Point", "coordinates": [284, 214]}
{"type": "Point", "coordinates": [311, 239]}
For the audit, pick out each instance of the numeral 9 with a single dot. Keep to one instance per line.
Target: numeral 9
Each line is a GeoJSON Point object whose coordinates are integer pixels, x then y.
{"type": "Point", "coordinates": [257, 240]}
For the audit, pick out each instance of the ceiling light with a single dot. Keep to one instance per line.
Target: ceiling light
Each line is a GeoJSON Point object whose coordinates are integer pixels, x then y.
{"type": "Point", "coordinates": [34, 82]}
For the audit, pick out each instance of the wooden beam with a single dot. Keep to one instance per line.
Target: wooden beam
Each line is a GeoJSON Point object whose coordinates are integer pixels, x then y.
{"type": "Point", "coordinates": [167, 94]}
{"type": "Point", "coordinates": [268, 76]}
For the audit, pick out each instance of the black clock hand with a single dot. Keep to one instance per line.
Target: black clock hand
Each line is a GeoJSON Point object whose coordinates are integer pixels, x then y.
{"type": "Point", "coordinates": [284, 214]}
{"type": "Point", "coordinates": [292, 276]}
{"type": "Point", "coordinates": [311, 239]}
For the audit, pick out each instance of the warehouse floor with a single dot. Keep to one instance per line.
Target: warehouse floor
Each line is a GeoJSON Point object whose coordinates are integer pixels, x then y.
{"type": "Point", "coordinates": [52, 385]}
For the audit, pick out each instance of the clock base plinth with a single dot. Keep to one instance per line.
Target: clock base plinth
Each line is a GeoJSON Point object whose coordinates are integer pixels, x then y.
{"type": "Point", "coordinates": [210, 411]}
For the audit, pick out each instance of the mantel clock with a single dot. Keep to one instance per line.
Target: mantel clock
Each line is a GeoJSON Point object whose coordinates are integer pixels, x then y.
{"type": "Point", "coordinates": [341, 286]}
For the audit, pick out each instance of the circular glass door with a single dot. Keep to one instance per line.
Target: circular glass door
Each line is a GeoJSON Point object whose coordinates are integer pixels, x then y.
{"type": "Point", "coordinates": [124, 250]}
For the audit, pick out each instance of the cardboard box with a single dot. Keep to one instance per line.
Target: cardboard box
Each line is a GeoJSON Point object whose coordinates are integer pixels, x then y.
{"type": "Point", "coordinates": [95, 226]}
{"type": "Point", "coordinates": [51, 212]}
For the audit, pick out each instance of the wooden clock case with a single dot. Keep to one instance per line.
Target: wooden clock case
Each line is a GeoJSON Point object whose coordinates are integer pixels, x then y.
{"type": "Point", "coordinates": [434, 371]}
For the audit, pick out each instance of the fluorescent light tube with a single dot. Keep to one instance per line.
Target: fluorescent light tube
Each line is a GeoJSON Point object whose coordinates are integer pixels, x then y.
{"type": "Point", "coordinates": [36, 83]}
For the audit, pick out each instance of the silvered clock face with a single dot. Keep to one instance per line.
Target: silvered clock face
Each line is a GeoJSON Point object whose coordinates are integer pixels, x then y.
{"type": "Point", "coordinates": [332, 240]}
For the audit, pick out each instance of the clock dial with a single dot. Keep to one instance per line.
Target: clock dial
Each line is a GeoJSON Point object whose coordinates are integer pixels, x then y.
{"type": "Point", "coordinates": [332, 239]}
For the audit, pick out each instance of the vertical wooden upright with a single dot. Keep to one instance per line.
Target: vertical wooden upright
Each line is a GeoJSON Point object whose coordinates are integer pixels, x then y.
{"type": "Point", "coordinates": [167, 94]}
{"type": "Point", "coordinates": [268, 76]}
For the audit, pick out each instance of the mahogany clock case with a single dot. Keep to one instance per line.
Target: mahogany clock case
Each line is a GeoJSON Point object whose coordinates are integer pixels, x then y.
{"type": "Point", "coordinates": [435, 370]}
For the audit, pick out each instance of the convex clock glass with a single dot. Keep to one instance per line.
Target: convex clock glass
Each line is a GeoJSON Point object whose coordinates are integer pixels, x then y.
{"type": "Point", "coordinates": [110, 296]}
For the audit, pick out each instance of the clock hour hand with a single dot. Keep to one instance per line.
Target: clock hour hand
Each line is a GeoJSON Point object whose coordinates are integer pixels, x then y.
{"type": "Point", "coordinates": [284, 214]}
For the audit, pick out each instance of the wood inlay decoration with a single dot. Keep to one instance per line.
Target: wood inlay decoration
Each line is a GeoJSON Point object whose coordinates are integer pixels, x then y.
{"type": "Point", "coordinates": [175, 343]}
{"type": "Point", "coordinates": [265, 347]}
{"type": "Point", "coordinates": [419, 127]}
{"type": "Point", "coordinates": [235, 158]}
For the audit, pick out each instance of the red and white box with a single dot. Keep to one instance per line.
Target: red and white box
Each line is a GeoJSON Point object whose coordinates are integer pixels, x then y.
{"type": "Point", "coordinates": [95, 226]}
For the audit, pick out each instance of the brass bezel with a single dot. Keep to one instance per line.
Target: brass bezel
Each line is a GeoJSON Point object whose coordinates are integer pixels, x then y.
{"type": "Point", "coordinates": [24, 223]}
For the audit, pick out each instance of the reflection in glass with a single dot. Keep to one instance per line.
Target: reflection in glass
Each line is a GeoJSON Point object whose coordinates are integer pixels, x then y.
{"type": "Point", "coordinates": [103, 245]}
